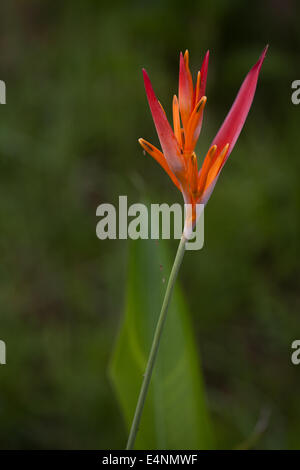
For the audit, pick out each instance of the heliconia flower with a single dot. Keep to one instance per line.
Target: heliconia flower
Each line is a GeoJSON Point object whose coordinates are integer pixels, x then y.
{"type": "Point", "coordinates": [178, 157]}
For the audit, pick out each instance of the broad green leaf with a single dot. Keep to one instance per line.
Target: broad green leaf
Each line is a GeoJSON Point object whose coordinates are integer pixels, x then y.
{"type": "Point", "coordinates": [175, 414]}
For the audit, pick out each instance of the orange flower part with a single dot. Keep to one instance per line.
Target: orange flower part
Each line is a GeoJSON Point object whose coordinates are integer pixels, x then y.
{"type": "Point", "coordinates": [178, 156]}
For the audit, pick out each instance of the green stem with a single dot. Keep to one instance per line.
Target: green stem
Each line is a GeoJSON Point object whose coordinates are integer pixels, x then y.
{"type": "Point", "coordinates": [155, 345]}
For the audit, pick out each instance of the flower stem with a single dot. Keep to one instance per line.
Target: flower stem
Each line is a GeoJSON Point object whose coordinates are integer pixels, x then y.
{"type": "Point", "coordinates": [155, 345]}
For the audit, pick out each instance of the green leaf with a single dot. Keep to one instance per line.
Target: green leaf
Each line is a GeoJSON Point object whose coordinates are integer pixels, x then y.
{"type": "Point", "coordinates": [175, 414]}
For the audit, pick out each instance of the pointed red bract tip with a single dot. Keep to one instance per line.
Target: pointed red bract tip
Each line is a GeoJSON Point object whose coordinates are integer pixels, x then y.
{"type": "Point", "coordinates": [235, 119]}
{"type": "Point", "coordinates": [261, 59]}
{"type": "Point", "coordinates": [203, 71]}
{"type": "Point", "coordinates": [206, 57]}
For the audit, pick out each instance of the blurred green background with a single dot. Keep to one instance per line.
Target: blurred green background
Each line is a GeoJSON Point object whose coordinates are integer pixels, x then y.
{"type": "Point", "coordinates": [68, 142]}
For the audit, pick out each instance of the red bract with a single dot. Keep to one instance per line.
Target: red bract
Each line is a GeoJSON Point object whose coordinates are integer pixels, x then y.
{"type": "Point", "coordinates": [178, 157]}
